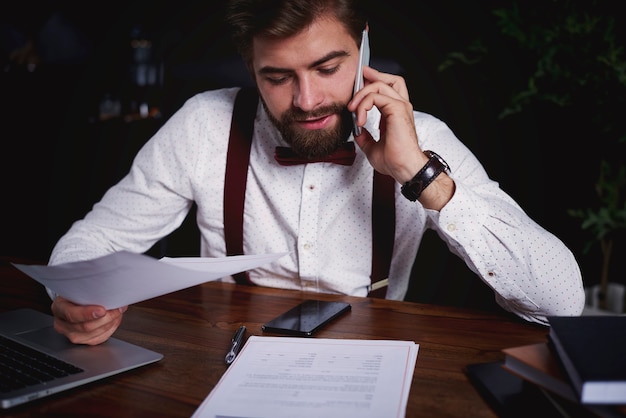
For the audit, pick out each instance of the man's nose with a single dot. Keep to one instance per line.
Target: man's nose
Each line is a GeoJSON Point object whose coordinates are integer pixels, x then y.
{"type": "Point", "coordinates": [307, 95]}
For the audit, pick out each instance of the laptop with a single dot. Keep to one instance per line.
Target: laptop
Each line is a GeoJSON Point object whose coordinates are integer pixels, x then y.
{"type": "Point", "coordinates": [73, 365]}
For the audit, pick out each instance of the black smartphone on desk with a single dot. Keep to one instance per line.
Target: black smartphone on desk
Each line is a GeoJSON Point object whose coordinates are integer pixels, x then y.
{"type": "Point", "coordinates": [306, 318]}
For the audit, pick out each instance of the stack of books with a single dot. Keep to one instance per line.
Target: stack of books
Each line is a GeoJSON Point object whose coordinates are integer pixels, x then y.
{"type": "Point", "coordinates": [580, 369]}
{"type": "Point", "coordinates": [584, 359]}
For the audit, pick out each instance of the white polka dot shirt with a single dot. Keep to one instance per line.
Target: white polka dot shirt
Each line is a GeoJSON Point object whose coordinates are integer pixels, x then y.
{"type": "Point", "coordinates": [321, 214]}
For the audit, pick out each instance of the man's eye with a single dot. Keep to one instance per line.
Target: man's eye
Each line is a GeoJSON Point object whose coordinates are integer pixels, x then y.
{"type": "Point", "coordinates": [277, 80]}
{"type": "Point", "coordinates": [329, 71]}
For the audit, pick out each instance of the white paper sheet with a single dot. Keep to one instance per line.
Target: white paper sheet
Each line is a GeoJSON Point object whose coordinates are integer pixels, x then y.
{"type": "Point", "coordinates": [280, 377]}
{"type": "Point", "coordinates": [123, 278]}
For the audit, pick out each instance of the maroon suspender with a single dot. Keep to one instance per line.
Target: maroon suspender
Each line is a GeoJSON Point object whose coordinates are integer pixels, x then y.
{"type": "Point", "coordinates": [383, 229]}
{"type": "Point", "coordinates": [237, 161]}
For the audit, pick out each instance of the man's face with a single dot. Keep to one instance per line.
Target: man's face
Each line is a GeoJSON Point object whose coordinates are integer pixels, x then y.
{"type": "Point", "coordinates": [305, 82]}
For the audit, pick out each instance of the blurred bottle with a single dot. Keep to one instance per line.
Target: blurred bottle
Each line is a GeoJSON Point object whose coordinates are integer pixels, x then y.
{"type": "Point", "coordinates": [146, 75]}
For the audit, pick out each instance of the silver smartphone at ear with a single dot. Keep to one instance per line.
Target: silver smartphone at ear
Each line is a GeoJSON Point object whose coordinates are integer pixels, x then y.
{"type": "Point", "coordinates": [364, 59]}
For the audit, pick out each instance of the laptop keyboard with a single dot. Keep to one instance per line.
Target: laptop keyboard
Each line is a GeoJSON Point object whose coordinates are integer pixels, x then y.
{"type": "Point", "coordinates": [22, 366]}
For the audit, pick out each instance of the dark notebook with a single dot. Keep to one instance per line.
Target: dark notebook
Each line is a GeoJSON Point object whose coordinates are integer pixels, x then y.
{"type": "Point", "coordinates": [592, 350]}
{"type": "Point", "coordinates": [508, 395]}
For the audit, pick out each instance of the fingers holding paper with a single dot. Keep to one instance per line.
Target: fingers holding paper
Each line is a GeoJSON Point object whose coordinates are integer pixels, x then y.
{"type": "Point", "coordinates": [90, 325]}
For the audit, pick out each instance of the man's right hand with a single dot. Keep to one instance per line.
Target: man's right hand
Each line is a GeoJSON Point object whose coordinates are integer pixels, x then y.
{"type": "Point", "coordinates": [90, 324]}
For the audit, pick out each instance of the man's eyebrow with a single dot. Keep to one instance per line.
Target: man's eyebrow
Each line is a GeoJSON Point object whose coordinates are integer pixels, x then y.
{"type": "Point", "coordinates": [331, 55]}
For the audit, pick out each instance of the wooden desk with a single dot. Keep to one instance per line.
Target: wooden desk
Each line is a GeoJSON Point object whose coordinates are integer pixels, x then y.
{"type": "Point", "coordinates": [192, 328]}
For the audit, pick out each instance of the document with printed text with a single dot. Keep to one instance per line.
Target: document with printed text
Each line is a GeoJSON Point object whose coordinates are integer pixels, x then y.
{"type": "Point", "coordinates": [281, 377]}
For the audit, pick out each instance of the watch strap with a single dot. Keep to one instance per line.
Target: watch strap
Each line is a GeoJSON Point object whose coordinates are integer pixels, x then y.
{"type": "Point", "coordinates": [413, 188]}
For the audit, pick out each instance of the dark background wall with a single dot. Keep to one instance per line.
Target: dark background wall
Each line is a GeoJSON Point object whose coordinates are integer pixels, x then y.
{"type": "Point", "coordinates": [57, 158]}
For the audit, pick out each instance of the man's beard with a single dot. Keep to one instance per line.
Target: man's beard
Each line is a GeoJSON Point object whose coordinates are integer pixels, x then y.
{"type": "Point", "coordinates": [316, 143]}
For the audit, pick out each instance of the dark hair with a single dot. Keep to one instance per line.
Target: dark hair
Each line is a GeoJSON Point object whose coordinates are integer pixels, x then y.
{"type": "Point", "coordinates": [283, 18]}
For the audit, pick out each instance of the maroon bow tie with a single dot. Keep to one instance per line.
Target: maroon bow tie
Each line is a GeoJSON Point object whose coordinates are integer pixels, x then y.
{"type": "Point", "coordinates": [344, 155]}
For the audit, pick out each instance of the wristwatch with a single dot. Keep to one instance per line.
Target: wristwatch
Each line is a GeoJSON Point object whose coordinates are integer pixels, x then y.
{"type": "Point", "coordinates": [436, 165]}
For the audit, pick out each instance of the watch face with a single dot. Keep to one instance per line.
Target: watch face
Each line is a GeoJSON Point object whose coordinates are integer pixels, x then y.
{"type": "Point", "coordinates": [438, 157]}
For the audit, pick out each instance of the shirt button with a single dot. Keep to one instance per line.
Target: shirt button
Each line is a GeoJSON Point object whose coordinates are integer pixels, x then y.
{"type": "Point", "coordinates": [311, 187]}
{"type": "Point", "coordinates": [307, 246]}
{"type": "Point", "coordinates": [451, 227]}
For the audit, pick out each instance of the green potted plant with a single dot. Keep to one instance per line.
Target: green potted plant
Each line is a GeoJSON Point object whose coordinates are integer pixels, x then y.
{"type": "Point", "coordinates": [574, 60]}
{"type": "Point", "coordinates": [605, 221]}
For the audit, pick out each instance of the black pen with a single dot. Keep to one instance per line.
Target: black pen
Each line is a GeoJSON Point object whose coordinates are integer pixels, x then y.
{"type": "Point", "coordinates": [235, 344]}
